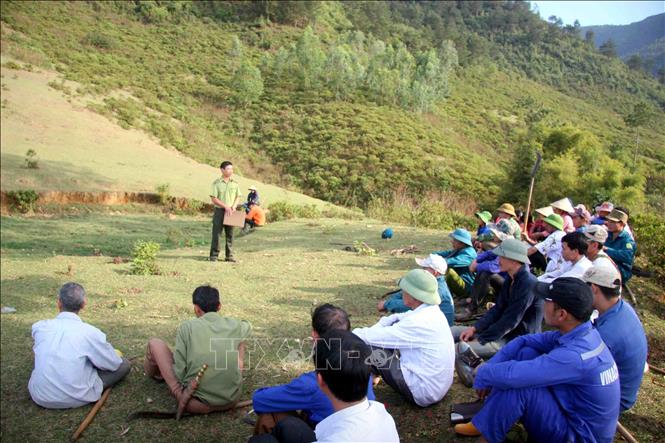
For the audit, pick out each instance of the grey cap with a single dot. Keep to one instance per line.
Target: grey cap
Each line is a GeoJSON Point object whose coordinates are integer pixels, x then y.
{"type": "Point", "coordinates": [513, 249]}
{"type": "Point", "coordinates": [597, 233]}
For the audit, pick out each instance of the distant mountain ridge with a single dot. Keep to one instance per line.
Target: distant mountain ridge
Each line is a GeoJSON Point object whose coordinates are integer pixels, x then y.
{"type": "Point", "coordinates": [645, 38]}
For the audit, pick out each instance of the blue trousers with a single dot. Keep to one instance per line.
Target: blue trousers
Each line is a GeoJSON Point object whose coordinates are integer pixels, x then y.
{"type": "Point", "coordinates": [536, 408]}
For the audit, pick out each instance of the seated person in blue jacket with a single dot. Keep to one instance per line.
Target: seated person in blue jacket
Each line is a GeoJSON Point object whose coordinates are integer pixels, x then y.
{"type": "Point", "coordinates": [517, 311]}
{"type": "Point", "coordinates": [562, 385]}
{"type": "Point", "coordinates": [489, 278]}
{"type": "Point", "coordinates": [620, 328]}
{"type": "Point", "coordinates": [484, 218]}
{"type": "Point", "coordinates": [458, 277]}
{"type": "Point", "coordinates": [435, 265]}
{"type": "Point", "coordinates": [273, 404]}
{"type": "Point", "coordinates": [619, 245]}
{"type": "Point", "coordinates": [342, 370]}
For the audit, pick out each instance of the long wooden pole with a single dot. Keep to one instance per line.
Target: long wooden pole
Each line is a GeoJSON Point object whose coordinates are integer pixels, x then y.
{"type": "Point", "coordinates": [534, 171]}
{"type": "Point", "coordinates": [528, 207]}
{"type": "Point", "coordinates": [91, 415]}
{"type": "Point", "coordinates": [625, 434]}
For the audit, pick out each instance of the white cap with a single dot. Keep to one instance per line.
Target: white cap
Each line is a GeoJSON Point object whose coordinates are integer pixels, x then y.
{"type": "Point", "coordinates": [435, 262]}
{"type": "Point", "coordinates": [606, 276]}
{"type": "Point", "coordinates": [252, 188]}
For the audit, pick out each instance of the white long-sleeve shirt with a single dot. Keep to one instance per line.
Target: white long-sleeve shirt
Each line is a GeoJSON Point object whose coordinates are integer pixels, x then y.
{"type": "Point", "coordinates": [426, 346]}
{"type": "Point", "coordinates": [68, 353]}
{"type": "Point", "coordinates": [568, 269]}
{"type": "Point", "coordinates": [551, 249]}
{"type": "Point", "coordinates": [368, 421]}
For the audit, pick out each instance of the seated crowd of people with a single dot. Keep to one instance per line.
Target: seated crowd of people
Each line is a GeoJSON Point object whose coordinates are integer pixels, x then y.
{"type": "Point", "coordinates": [570, 383]}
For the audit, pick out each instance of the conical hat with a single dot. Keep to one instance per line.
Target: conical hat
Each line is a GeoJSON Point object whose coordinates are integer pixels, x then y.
{"type": "Point", "coordinates": [545, 211]}
{"type": "Point", "coordinates": [563, 204]}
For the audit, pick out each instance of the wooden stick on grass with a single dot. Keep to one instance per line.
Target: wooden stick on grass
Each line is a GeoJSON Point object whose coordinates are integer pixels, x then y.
{"type": "Point", "coordinates": [625, 434]}
{"type": "Point", "coordinates": [91, 415]}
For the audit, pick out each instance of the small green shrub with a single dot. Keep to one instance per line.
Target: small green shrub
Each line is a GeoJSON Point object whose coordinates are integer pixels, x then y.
{"type": "Point", "coordinates": [363, 248]}
{"type": "Point", "coordinates": [281, 210]}
{"type": "Point", "coordinates": [23, 200]}
{"type": "Point", "coordinates": [163, 191]}
{"type": "Point", "coordinates": [31, 161]}
{"type": "Point", "coordinates": [99, 40]}
{"type": "Point", "coordinates": [144, 258]}
{"type": "Point", "coordinates": [11, 65]}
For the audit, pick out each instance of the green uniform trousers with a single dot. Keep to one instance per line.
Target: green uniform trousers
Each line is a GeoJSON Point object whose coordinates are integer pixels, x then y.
{"type": "Point", "coordinates": [217, 226]}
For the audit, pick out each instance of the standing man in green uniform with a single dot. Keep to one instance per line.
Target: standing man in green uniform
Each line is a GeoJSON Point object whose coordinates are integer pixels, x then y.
{"type": "Point", "coordinates": [225, 196]}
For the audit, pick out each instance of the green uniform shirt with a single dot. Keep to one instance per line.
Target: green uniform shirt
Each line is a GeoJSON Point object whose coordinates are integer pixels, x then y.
{"type": "Point", "coordinates": [213, 340]}
{"type": "Point", "coordinates": [226, 192]}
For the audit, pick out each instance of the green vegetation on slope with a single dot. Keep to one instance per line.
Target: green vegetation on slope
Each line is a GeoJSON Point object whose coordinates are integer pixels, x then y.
{"type": "Point", "coordinates": [168, 68]}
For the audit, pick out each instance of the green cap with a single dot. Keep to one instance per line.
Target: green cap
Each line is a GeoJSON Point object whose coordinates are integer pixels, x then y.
{"type": "Point", "coordinates": [513, 249]}
{"type": "Point", "coordinates": [485, 216]}
{"type": "Point", "coordinates": [422, 286]}
{"type": "Point", "coordinates": [555, 220]}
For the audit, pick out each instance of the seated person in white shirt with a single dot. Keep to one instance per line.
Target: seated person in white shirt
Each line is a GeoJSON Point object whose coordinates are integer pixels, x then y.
{"type": "Point", "coordinates": [73, 361]}
{"type": "Point", "coordinates": [414, 351]}
{"type": "Point", "coordinates": [546, 255]}
{"type": "Point", "coordinates": [573, 250]}
{"type": "Point", "coordinates": [342, 369]}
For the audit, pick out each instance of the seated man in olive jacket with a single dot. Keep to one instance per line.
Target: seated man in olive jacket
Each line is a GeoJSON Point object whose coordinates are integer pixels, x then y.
{"type": "Point", "coordinates": [209, 339]}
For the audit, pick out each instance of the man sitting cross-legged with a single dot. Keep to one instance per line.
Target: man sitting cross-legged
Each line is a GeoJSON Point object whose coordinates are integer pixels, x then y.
{"type": "Point", "coordinates": [517, 311]}
{"type": "Point", "coordinates": [414, 351]}
{"type": "Point", "coordinates": [73, 361]}
{"type": "Point", "coordinates": [302, 393]}
{"type": "Point", "coordinates": [342, 369]}
{"type": "Point", "coordinates": [209, 339]}
{"type": "Point", "coordinates": [562, 385]}
{"type": "Point", "coordinates": [620, 328]}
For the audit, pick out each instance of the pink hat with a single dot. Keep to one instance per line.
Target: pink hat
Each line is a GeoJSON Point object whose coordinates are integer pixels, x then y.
{"type": "Point", "coordinates": [605, 207]}
{"type": "Point", "coordinates": [580, 210]}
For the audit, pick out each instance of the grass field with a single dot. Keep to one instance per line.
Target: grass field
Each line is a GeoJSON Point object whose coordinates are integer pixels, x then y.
{"type": "Point", "coordinates": [68, 138]}
{"type": "Point", "coordinates": [285, 269]}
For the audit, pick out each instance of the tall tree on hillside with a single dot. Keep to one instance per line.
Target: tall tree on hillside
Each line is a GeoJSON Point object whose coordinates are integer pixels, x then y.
{"type": "Point", "coordinates": [608, 49]}
{"type": "Point", "coordinates": [247, 83]}
{"type": "Point", "coordinates": [635, 63]}
{"type": "Point", "coordinates": [310, 58]}
{"type": "Point", "coordinates": [590, 38]}
{"type": "Point", "coordinates": [639, 116]}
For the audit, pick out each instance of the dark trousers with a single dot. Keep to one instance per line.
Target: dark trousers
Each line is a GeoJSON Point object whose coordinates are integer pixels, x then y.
{"type": "Point", "coordinates": [287, 430]}
{"type": "Point", "coordinates": [481, 287]}
{"type": "Point", "coordinates": [217, 226]}
{"type": "Point", "coordinates": [390, 371]}
{"type": "Point", "coordinates": [111, 378]}
{"type": "Point", "coordinates": [538, 261]}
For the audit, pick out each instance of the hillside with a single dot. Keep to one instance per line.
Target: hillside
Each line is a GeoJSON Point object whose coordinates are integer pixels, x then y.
{"type": "Point", "coordinates": [645, 38]}
{"type": "Point", "coordinates": [373, 98]}
{"type": "Point", "coordinates": [80, 150]}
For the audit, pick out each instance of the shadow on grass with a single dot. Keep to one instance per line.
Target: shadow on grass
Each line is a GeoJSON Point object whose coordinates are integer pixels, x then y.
{"type": "Point", "coordinates": [50, 175]}
{"type": "Point", "coordinates": [87, 234]}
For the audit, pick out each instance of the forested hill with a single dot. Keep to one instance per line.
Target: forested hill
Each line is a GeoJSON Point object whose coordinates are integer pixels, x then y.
{"type": "Point", "coordinates": [644, 41]}
{"type": "Point", "coordinates": [355, 102]}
